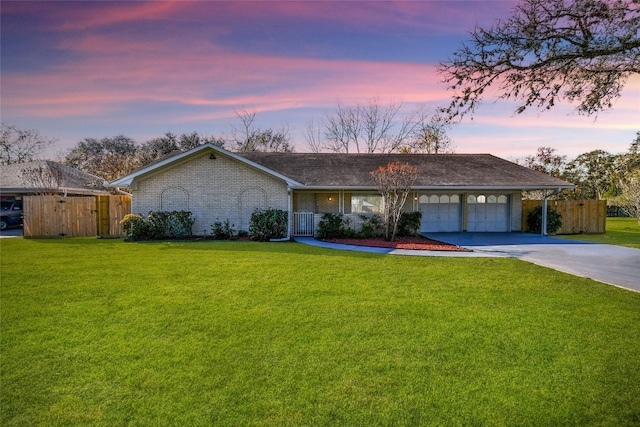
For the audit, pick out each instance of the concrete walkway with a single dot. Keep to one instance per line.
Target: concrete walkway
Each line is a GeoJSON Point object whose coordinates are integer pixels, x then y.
{"type": "Point", "coordinates": [614, 265]}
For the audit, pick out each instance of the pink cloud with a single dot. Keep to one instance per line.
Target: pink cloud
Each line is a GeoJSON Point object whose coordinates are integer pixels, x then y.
{"type": "Point", "coordinates": [108, 75]}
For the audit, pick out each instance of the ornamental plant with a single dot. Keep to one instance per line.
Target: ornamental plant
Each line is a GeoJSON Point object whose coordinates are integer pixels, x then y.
{"type": "Point", "coordinates": [157, 225]}
{"type": "Point", "coordinates": [409, 224]}
{"type": "Point", "coordinates": [534, 220]}
{"type": "Point", "coordinates": [134, 226]}
{"type": "Point", "coordinates": [394, 182]}
{"type": "Point", "coordinates": [222, 230]}
{"type": "Point", "coordinates": [331, 226]}
{"type": "Point", "coordinates": [267, 224]}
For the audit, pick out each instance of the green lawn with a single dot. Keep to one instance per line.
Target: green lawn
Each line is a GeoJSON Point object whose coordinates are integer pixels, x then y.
{"type": "Point", "coordinates": [620, 231]}
{"type": "Point", "coordinates": [107, 333]}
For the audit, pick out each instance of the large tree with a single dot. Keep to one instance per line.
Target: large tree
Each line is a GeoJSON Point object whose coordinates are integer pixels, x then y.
{"type": "Point", "coordinates": [593, 173]}
{"type": "Point", "coordinates": [582, 51]}
{"type": "Point", "coordinates": [368, 128]}
{"type": "Point", "coordinates": [247, 137]}
{"type": "Point", "coordinates": [429, 136]}
{"type": "Point", "coordinates": [108, 158]}
{"type": "Point", "coordinates": [631, 194]}
{"type": "Point", "coordinates": [21, 145]}
{"type": "Point", "coordinates": [156, 148]}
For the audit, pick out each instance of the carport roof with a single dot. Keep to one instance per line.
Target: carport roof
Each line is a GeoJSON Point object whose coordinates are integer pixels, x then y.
{"type": "Point", "coordinates": [435, 171]}
{"type": "Point", "coordinates": [65, 178]}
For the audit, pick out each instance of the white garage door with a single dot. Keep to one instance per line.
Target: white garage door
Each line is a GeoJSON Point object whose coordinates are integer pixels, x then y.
{"type": "Point", "coordinates": [440, 213]}
{"type": "Point", "coordinates": [488, 213]}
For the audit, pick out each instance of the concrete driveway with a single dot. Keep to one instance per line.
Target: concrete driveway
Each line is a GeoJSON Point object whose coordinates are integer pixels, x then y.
{"type": "Point", "coordinates": [614, 265]}
{"type": "Point", "coordinates": [11, 232]}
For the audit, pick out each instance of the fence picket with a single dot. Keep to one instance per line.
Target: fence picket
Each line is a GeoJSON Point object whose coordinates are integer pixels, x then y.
{"type": "Point", "coordinates": [578, 216]}
{"type": "Point", "coordinates": [56, 216]}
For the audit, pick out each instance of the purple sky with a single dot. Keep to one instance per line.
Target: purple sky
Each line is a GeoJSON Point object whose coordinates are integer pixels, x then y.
{"type": "Point", "coordinates": [82, 69]}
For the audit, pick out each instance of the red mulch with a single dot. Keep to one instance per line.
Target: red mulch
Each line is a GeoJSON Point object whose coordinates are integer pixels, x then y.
{"type": "Point", "coordinates": [414, 243]}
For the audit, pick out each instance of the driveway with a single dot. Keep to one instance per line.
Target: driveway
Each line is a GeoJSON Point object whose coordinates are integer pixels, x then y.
{"type": "Point", "coordinates": [614, 265]}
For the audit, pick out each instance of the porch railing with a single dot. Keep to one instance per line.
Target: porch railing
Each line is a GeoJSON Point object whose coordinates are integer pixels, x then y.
{"type": "Point", "coordinates": [303, 224]}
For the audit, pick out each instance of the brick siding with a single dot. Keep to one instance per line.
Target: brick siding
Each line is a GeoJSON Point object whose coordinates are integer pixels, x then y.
{"type": "Point", "coordinates": [211, 189]}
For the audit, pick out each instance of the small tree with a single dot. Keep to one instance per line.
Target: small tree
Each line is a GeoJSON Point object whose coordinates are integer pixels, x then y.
{"type": "Point", "coordinates": [44, 177]}
{"type": "Point", "coordinates": [394, 182]}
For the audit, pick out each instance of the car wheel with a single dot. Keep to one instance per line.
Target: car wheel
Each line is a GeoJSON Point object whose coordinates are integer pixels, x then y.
{"type": "Point", "coordinates": [3, 224]}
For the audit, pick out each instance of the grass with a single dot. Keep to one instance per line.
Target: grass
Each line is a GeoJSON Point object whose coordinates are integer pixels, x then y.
{"type": "Point", "coordinates": [104, 333]}
{"type": "Point", "coordinates": [620, 231]}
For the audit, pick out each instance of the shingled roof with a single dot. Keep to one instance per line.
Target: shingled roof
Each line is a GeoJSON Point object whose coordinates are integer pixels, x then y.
{"type": "Point", "coordinates": [72, 181]}
{"type": "Point", "coordinates": [454, 171]}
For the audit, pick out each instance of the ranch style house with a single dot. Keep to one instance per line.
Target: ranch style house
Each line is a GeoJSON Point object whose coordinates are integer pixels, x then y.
{"type": "Point", "coordinates": [454, 192]}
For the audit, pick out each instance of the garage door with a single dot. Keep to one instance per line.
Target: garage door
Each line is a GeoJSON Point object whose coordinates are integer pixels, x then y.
{"type": "Point", "coordinates": [486, 213]}
{"type": "Point", "coordinates": [440, 213]}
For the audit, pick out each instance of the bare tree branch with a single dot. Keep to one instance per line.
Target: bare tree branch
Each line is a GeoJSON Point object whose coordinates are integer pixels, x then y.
{"type": "Point", "coordinates": [21, 145]}
{"type": "Point", "coordinates": [549, 50]}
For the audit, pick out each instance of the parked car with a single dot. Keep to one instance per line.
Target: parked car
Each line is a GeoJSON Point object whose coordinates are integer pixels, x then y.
{"type": "Point", "coordinates": [11, 213]}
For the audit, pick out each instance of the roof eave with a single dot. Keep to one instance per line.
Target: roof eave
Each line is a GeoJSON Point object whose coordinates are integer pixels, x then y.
{"type": "Point", "coordinates": [441, 187]}
{"type": "Point", "coordinates": [127, 181]}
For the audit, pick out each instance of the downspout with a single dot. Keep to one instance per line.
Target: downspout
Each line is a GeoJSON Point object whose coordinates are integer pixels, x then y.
{"type": "Point", "coordinates": [123, 192]}
{"type": "Point", "coordinates": [289, 217]}
{"type": "Point", "coordinates": [544, 210]}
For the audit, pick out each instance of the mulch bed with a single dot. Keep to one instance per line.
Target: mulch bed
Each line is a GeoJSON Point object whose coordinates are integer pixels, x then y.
{"type": "Point", "coordinates": [413, 243]}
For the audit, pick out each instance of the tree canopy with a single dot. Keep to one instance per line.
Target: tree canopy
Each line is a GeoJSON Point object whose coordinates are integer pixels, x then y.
{"type": "Point", "coordinates": [21, 145]}
{"type": "Point", "coordinates": [395, 182]}
{"type": "Point", "coordinates": [582, 51]}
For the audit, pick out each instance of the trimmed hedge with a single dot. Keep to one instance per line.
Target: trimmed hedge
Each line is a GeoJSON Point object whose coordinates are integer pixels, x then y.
{"type": "Point", "coordinates": [157, 225]}
{"type": "Point", "coordinates": [267, 224]}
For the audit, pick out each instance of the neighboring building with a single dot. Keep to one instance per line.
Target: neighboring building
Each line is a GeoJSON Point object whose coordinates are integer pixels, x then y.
{"type": "Point", "coordinates": [45, 176]}
{"type": "Point", "coordinates": [454, 192]}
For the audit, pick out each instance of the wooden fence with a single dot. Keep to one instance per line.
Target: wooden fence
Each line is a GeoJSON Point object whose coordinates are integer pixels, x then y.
{"type": "Point", "coordinates": [578, 216]}
{"type": "Point", "coordinates": [56, 216]}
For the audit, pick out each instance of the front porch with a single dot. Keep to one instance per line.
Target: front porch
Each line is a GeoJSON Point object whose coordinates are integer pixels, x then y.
{"type": "Point", "coordinates": [487, 211]}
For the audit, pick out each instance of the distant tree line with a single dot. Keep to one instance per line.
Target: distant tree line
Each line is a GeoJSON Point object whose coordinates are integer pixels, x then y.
{"type": "Point", "coordinates": [361, 128]}
{"type": "Point", "coordinates": [597, 174]}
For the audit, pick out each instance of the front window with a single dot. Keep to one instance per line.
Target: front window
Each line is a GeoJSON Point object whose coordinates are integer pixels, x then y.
{"type": "Point", "coordinates": [366, 203]}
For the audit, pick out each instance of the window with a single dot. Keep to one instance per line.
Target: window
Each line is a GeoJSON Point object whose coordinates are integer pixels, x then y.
{"type": "Point", "coordinates": [366, 203]}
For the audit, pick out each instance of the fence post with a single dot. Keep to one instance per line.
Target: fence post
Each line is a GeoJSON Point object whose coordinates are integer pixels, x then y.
{"type": "Point", "coordinates": [102, 217]}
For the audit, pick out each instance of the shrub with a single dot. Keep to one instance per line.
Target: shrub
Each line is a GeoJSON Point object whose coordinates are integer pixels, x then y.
{"type": "Point", "coordinates": [267, 224]}
{"type": "Point", "coordinates": [331, 226]}
{"type": "Point", "coordinates": [534, 220]}
{"type": "Point", "coordinates": [371, 226]}
{"type": "Point", "coordinates": [157, 225]}
{"type": "Point", "coordinates": [135, 227]}
{"type": "Point", "coordinates": [222, 230]}
{"type": "Point", "coordinates": [409, 224]}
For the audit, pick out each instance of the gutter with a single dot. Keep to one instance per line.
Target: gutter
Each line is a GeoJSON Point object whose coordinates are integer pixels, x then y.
{"type": "Point", "coordinates": [544, 210]}
{"type": "Point", "coordinates": [118, 190]}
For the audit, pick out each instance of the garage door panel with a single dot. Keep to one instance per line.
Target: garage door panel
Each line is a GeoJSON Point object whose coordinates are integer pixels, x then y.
{"type": "Point", "coordinates": [438, 216]}
{"type": "Point", "coordinates": [490, 216]}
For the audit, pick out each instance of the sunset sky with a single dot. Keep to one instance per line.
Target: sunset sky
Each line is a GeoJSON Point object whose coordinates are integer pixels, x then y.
{"type": "Point", "coordinates": [80, 69]}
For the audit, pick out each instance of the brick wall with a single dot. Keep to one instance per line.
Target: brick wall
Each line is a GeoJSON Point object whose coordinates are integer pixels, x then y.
{"type": "Point", "coordinates": [212, 189]}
